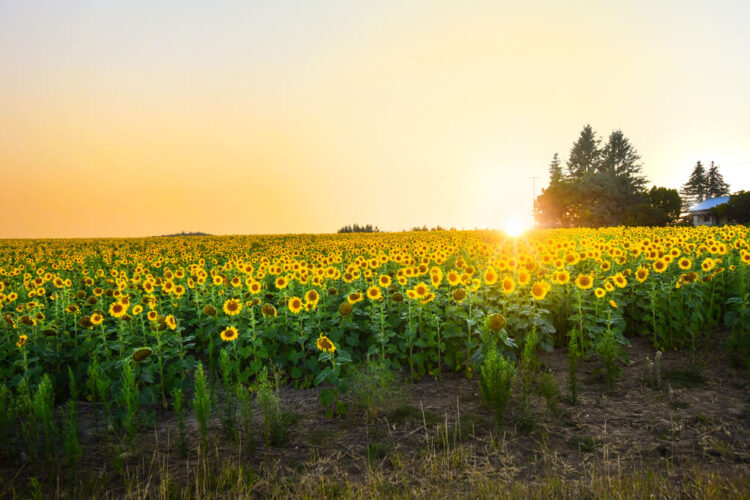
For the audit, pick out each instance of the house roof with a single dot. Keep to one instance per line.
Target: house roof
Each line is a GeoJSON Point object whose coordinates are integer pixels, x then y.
{"type": "Point", "coordinates": [709, 203]}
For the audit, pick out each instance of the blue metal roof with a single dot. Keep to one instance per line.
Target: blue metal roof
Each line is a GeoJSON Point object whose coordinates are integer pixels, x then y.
{"type": "Point", "coordinates": [709, 203]}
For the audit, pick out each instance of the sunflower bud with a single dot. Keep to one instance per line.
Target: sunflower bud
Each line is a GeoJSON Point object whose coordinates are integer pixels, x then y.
{"type": "Point", "coordinates": [345, 309]}
{"type": "Point", "coordinates": [496, 322]}
{"type": "Point", "coordinates": [397, 297]}
{"type": "Point", "coordinates": [209, 310]}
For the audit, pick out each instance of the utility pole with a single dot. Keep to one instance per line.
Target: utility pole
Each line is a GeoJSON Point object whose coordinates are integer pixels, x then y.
{"type": "Point", "coordinates": [533, 201]}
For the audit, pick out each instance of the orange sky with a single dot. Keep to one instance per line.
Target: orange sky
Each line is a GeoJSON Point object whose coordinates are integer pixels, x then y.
{"type": "Point", "coordinates": [126, 119]}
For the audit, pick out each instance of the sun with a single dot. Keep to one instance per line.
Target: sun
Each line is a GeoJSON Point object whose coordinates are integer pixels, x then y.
{"type": "Point", "coordinates": [514, 226]}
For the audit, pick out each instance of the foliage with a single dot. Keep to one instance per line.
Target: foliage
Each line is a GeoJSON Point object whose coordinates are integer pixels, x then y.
{"type": "Point", "coordinates": [497, 375]}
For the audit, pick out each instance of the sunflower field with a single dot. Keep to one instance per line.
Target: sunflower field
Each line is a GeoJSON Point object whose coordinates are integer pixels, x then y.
{"type": "Point", "coordinates": [127, 323]}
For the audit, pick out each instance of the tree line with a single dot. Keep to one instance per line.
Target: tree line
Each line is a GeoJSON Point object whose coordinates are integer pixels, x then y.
{"type": "Point", "coordinates": [604, 185]}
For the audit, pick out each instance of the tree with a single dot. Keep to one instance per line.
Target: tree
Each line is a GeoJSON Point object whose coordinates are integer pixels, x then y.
{"type": "Point", "coordinates": [620, 157]}
{"type": "Point", "coordinates": [737, 209]}
{"type": "Point", "coordinates": [695, 189]}
{"type": "Point", "coordinates": [555, 170]}
{"type": "Point", "coordinates": [584, 155]}
{"type": "Point", "coordinates": [715, 185]}
{"type": "Point", "coordinates": [666, 200]}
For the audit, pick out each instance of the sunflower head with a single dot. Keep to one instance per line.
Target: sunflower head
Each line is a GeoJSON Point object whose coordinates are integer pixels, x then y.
{"type": "Point", "coordinates": [345, 309]}
{"type": "Point", "coordinates": [209, 310]}
{"type": "Point", "coordinates": [268, 310]}
{"type": "Point", "coordinates": [229, 334]}
{"type": "Point", "coordinates": [324, 344]}
{"type": "Point", "coordinates": [496, 322]}
{"type": "Point", "coordinates": [141, 354]}
{"type": "Point", "coordinates": [397, 297]}
{"type": "Point", "coordinates": [459, 294]}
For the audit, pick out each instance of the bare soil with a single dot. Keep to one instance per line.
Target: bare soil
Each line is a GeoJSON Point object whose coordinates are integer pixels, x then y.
{"type": "Point", "coordinates": [700, 417]}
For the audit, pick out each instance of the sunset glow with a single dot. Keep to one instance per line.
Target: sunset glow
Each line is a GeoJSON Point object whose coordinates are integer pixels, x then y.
{"type": "Point", "coordinates": [133, 119]}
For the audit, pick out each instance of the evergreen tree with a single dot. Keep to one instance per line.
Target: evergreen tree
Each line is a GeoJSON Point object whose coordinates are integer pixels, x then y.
{"type": "Point", "coordinates": [619, 157]}
{"type": "Point", "coordinates": [584, 156]}
{"type": "Point", "coordinates": [555, 170]}
{"type": "Point", "coordinates": [695, 189]}
{"type": "Point", "coordinates": [715, 185]}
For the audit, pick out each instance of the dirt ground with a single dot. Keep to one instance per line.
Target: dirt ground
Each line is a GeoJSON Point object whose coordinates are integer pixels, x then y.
{"type": "Point", "coordinates": [699, 417]}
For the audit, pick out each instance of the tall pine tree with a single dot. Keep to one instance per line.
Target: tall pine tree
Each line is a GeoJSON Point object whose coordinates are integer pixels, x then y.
{"type": "Point", "coordinates": [715, 185]}
{"type": "Point", "coordinates": [584, 155]}
{"type": "Point", "coordinates": [695, 189]}
{"type": "Point", "coordinates": [555, 170]}
{"type": "Point", "coordinates": [620, 158]}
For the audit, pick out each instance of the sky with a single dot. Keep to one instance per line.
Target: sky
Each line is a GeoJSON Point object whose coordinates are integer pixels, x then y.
{"type": "Point", "coordinates": [135, 118]}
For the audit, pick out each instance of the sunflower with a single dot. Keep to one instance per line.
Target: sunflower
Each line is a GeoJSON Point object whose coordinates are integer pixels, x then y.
{"type": "Point", "coordinates": [209, 310]}
{"type": "Point", "coordinates": [312, 296]}
{"type": "Point", "coordinates": [232, 307]}
{"type": "Point", "coordinates": [374, 293]}
{"type": "Point", "coordinates": [354, 297]}
{"type": "Point", "coordinates": [22, 340]}
{"type": "Point", "coordinates": [137, 310]}
{"type": "Point", "coordinates": [599, 292]}
{"type": "Point", "coordinates": [254, 287]}
{"type": "Point", "coordinates": [496, 322]}
{"type": "Point", "coordinates": [490, 276]}
{"type": "Point", "coordinates": [641, 274]}
{"type": "Point", "coordinates": [708, 264]}
{"type": "Point", "coordinates": [397, 297]}
{"type": "Point", "coordinates": [609, 286]}
{"type": "Point", "coordinates": [684, 263]}
{"type": "Point", "coordinates": [324, 344]}
{"type": "Point", "coordinates": [384, 280]}
{"type": "Point", "coordinates": [295, 305]}
{"type": "Point", "coordinates": [141, 353]}
{"type": "Point", "coordinates": [345, 309]}
{"type": "Point", "coordinates": [96, 318]}
{"type": "Point", "coordinates": [563, 277]}
{"type": "Point", "coordinates": [613, 303]}
{"type": "Point", "coordinates": [584, 281]}
{"type": "Point", "coordinates": [660, 265]}
{"type": "Point", "coordinates": [268, 310]}
{"type": "Point", "coordinates": [117, 310]}
{"type": "Point", "coordinates": [539, 289]}
{"type": "Point", "coordinates": [523, 277]}
{"type": "Point", "coordinates": [229, 334]}
{"type": "Point", "coordinates": [170, 322]}
{"type": "Point", "coordinates": [620, 280]}
{"type": "Point", "coordinates": [508, 285]}
{"type": "Point", "coordinates": [152, 315]}
{"type": "Point", "coordinates": [428, 298]}
{"type": "Point", "coordinates": [281, 282]}
{"type": "Point", "coordinates": [421, 289]}
{"type": "Point", "coordinates": [453, 278]}
{"type": "Point", "coordinates": [459, 294]}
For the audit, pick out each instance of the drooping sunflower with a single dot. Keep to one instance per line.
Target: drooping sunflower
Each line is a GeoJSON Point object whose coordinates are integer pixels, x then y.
{"type": "Point", "coordinates": [345, 309]}
{"type": "Point", "coordinates": [325, 344]}
{"type": "Point", "coordinates": [232, 307]}
{"type": "Point", "coordinates": [613, 303]}
{"type": "Point", "coordinates": [295, 305]}
{"type": "Point", "coordinates": [229, 334]}
{"type": "Point", "coordinates": [459, 294]}
{"type": "Point", "coordinates": [22, 340]}
{"type": "Point", "coordinates": [496, 322]}
{"type": "Point", "coordinates": [268, 310]}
